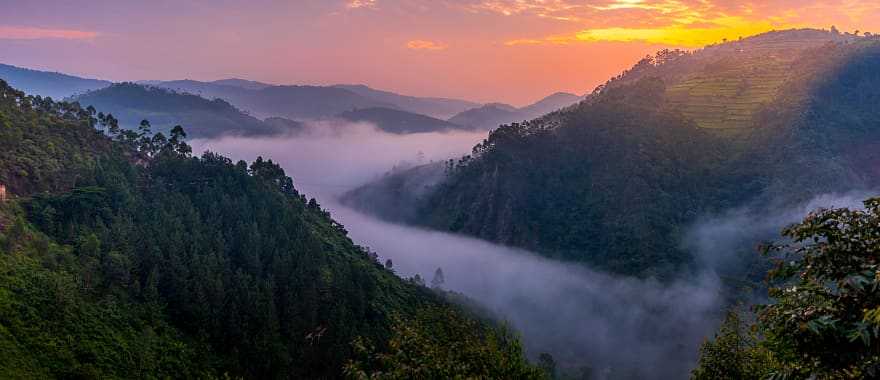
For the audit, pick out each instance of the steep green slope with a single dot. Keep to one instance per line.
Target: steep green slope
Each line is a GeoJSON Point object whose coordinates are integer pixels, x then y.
{"type": "Point", "coordinates": [131, 103]}
{"type": "Point", "coordinates": [615, 180]}
{"type": "Point", "coordinates": [124, 256]}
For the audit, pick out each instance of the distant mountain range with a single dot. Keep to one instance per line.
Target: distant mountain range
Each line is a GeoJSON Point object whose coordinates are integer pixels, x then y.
{"type": "Point", "coordinates": [440, 108]}
{"type": "Point", "coordinates": [201, 118]}
{"type": "Point", "coordinates": [55, 85]}
{"type": "Point", "coordinates": [392, 112]}
{"type": "Point", "coordinates": [397, 121]}
{"type": "Point", "coordinates": [492, 115]}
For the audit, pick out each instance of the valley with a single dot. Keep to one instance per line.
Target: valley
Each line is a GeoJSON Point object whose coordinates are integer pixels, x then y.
{"type": "Point", "coordinates": [708, 213]}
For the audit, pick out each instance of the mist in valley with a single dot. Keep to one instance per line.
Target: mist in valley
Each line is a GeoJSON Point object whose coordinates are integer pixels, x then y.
{"type": "Point", "coordinates": [610, 326]}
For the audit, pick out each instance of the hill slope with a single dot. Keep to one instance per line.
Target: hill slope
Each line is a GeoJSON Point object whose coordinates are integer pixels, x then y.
{"type": "Point", "coordinates": [398, 122]}
{"type": "Point", "coordinates": [126, 257]}
{"type": "Point", "coordinates": [131, 103]}
{"type": "Point", "coordinates": [441, 108]}
{"type": "Point", "coordinates": [492, 115]}
{"type": "Point", "coordinates": [615, 180]}
{"type": "Point", "coordinates": [55, 85]}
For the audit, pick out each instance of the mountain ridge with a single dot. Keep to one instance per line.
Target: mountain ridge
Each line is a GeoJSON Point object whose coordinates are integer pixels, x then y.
{"type": "Point", "coordinates": [615, 180]}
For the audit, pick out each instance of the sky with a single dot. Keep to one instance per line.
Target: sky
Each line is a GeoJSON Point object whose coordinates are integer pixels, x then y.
{"type": "Point", "coordinates": [514, 51]}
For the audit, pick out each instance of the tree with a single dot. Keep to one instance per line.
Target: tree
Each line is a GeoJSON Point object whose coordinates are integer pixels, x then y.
{"type": "Point", "coordinates": [824, 322]}
{"type": "Point", "coordinates": [547, 364]}
{"type": "Point", "coordinates": [389, 264]}
{"type": "Point", "coordinates": [827, 289]}
{"type": "Point", "coordinates": [438, 279]}
{"type": "Point", "coordinates": [733, 353]}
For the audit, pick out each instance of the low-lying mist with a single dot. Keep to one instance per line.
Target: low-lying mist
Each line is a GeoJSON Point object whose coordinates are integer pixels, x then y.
{"type": "Point", "coordinates": [331, 157]}
{"type": "Point", "coordinates": [619, 327]}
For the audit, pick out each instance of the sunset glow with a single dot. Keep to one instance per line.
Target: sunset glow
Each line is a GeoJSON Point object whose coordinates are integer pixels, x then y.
{"type": "Point", "coordinates": [485, 50]}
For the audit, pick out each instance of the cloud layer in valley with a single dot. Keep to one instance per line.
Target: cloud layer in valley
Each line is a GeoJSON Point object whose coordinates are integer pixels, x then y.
{"type": "Point", "coordinates": [618, 327]}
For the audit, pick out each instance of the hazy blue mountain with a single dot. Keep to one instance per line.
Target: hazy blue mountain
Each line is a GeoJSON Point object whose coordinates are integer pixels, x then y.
{"type": "Point", "coordinates": [242, 83]}
{"type": "Point", "coordinates": [441, 108]}
{"type": "Point", "coordinates": [491, 115]}
{"type": "Point", "coordinates": [549, 104]}
{"type": "Point", "coordinates": [131, 103]}
{"type": "Point", "coordinates": [285, 125]}
{"type": "Point", "coordinates": [397, 121]}
{"type": "Point", "coordinates": [44, 83]}
{"type": "Point", "coordinates": [488, 116]}
{"type": "Point", "coordinates": [292, 102]}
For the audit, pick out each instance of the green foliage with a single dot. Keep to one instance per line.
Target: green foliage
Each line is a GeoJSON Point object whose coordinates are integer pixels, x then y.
{"type": "Point", "coordinates": [734, 353]}
{"type": "Point", "coordinates": [823, 323]}
{"type": "Point", "coordinates": [442, 344]}
{"type": "Point", "coordinates": [55, 324]}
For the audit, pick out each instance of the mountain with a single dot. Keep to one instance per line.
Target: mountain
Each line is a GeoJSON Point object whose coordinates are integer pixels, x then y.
{"type": "Point", "coordinates": [125, 256]}
{"type": "Point", "coordinates": [242, 83]}
{"type": "Point", "coordinates": [299, 103]}
{"type": "Point", "coordinates": [491, 115]}
{"type": "Point", "coordinates": [282, 124]}
{"type": "Point", "coordinates": [398, 122]}
{"type": "Point", "coordinates": [131, 103]}
{"type": "Point", "coordinates": [44, 83]}
{"type": "Point", "coordinates": [617, 180]}
{"type": "Point", "coordinates": [440, 108]}
{"type": "Point", "coordinates": [549, 104]}
{"type": "Point", "coordinates": [488, 116]}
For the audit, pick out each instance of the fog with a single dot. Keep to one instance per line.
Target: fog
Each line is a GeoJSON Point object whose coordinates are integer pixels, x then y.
{"type": "Point", "coordinates": [620, 327]}
{"type": "Point", "coordinates": [332, 157]}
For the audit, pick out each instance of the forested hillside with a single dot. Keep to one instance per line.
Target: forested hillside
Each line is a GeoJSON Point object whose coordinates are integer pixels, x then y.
{"type": "Point", "coordinates": [123, 256]}
{"type": "Point", "coordinates": [615, 180]}
{"type": "Point", "coordinates": [131, 103]}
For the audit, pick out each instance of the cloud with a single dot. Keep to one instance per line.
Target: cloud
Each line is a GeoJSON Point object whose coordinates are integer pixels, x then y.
{"type": "Point", "coordinates": [355, 4]}
{"type": "Point", "coordinates": [31, 33]}
{"type": "Point", "coordinates": [425, 45]}
{"type": "Point", "coordinates": [703, 34]}
{"type": "Point", "coordinates": [684, 23]}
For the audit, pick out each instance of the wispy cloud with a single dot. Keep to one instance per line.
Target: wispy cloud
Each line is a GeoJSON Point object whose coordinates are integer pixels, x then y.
{"type": "Point", "coordinates": [355, 4]}
{"type": "Point", "coordinates": [31, 33]}
{"type": "Point", "coordinates": [684, 35]}
{"type": "Point", "coordinates": [425, 45]}
{"type": "Point", "coordinates": [686, 23]}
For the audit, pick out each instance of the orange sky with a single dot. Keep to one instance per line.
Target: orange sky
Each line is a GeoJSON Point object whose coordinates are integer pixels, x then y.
{"type": "Point", "coordinates": [514, 51]}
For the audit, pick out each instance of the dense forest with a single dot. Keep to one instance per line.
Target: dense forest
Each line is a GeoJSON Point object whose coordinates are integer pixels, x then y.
{"type": "Point", "coordinates": [124, 256]}
{"type": "Point", "coordinates": [615, 180]}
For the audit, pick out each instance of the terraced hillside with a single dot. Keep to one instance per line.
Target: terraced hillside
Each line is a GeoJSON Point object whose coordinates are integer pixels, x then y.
{"type": "Point", "coordinates": [724, 87]}
{"type": "Point", "coordinates": [616, 180]}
